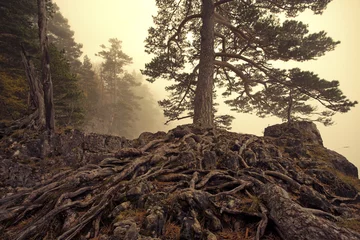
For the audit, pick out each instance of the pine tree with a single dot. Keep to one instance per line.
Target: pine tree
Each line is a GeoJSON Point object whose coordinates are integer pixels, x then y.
{"type": "Point", "coordinates": [17, 28]}
{"type": "Point", "coordinates": [68, 96]}
{"type": "Point", "coordinates": [119, 98]}
{"type": "Point", "coordinates": [230, 44]}
{"type": "Point", "coordinates": [46, 80]}
{"type": "Point", "coordinates": [61, 35]}
{"type": "Point", "coordinates": [88, 83]}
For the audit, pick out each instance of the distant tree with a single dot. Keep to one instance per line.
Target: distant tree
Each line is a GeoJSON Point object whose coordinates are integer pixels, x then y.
{"type": "Point", "coordinates": [148, 115]}
{"type": "Point", "coordinates": [120, 99]}
{"type": "Point", "coordinates": [61, 35]}
{"type": "Point", "coordinates": [89, 83]}
{"type": "Point", "coordinates": [68, 96]}
{"type": "Point", "coordinates": [72, 81]}
{"type": "Point", "coordinates": [230, 44]}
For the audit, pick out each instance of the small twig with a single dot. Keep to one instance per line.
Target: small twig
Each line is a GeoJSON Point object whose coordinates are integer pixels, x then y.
{"type": "Point", "coordinates": [194, 179]}
{"type": "Point", "coordinates": [178, 118]}
{"type": "Point", "coordinates": [263, 223]}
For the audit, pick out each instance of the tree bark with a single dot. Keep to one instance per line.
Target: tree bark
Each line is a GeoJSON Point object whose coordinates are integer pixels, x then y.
{"type": "Point", "coordinates": [298, 223]}
{"type": "Point", "coordinates": [290, 106]}
{"type": "Point", "coordinates": [203, 102]}
{"type": "Point", "coordinates": [36, 90]}
{"type": "Point", "coordinates": [45, 65]}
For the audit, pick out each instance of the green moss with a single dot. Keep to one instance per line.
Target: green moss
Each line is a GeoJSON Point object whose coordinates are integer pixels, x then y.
{"type": "Point", "coordinates": [251, 205]}
{"type": "Point", "coordinates": [255, 205]}
{"type": "Point", "coordinates": [320, 153]}
{"type": "Point", "coordinates": [18, 133]}
{"type": "Point", "coordinates": [64, 129]}
{"type": "Point", "coordinates": [138, 215]}
{"type": "Point", "coordinates": [353, 224]}
{"type": "Point", "coordinates": [355, 182]}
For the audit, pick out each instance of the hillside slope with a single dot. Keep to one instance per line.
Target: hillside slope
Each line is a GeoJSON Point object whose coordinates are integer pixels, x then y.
{"type": "Point", "coordinates": [189, 183]}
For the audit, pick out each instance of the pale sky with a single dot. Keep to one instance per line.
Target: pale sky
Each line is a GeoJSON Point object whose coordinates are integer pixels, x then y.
{"type": "Point", "coordinates": [94, 22]}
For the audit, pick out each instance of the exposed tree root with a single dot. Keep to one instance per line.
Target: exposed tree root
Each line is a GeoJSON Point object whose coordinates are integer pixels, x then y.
{"type": "Point", "coordinates": [140, 192]}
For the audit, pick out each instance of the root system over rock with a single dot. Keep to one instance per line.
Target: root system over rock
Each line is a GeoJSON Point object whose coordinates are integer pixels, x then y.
{"type": "Point", "coordinates": [191, 183]}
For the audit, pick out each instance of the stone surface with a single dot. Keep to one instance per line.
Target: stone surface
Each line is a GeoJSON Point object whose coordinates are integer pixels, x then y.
{"type": "Point", "coordinates": [306, 132]}
{"type": "Point", "coordinates": [191, 183]}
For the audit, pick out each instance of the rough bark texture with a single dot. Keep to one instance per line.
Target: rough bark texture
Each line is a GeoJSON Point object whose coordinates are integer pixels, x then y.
{"type": "Point", "coordinates": [298, 223]}
{"type": "Point", "coordinates": [189, 183]}
{"type": "Point", "coordinates": [36, 90]}
{"type": "Point", "coordinates": [45, 67]}
{"type": "Point", "coordinates": [203, 103]}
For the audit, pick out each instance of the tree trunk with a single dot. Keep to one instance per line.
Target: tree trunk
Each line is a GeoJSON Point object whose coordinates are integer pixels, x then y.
{"type": "Point", "coordinates": [290, 106]}
{"type": "Point", "coordinates": [203, 105]}
{"type": "Point", "coordinates": [45, 65]}
{"type": "Point", "coordinates": [36, 90]}
{"type": "Point", "coordinates": [298, 223]}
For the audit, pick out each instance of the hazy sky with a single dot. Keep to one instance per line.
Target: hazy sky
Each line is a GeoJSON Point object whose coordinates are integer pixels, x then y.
{"type": "Point", "coordinates": [94, 22]}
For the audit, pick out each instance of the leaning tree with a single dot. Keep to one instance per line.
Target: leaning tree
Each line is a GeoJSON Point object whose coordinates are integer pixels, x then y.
{"type": "Point", "coordinates": [231, 44]}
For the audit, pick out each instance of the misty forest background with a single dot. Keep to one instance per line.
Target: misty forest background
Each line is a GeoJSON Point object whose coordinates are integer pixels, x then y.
{"type": "Point", "coordinates": [95, 97]}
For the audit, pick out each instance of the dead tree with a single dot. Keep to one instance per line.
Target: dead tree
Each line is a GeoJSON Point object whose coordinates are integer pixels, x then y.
{"type": "Point", "coordinates": [36, 91]}
{"type": "Point", "coordinates": [45, 67]}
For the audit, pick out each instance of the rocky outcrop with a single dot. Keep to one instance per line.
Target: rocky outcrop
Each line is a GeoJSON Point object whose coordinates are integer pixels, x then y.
{"type": "Point", "coordinates": [189, 183]}
{"type": "Point", "coordinates": [305, 132]}
{"type": "Point", "coordinates": [303, 140]}
{"type": "Point", "coordinates": [22, 163]}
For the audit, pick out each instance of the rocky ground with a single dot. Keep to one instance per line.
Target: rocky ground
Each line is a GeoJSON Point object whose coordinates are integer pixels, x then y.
{"type": "Point", "coordinates": [189, 183]}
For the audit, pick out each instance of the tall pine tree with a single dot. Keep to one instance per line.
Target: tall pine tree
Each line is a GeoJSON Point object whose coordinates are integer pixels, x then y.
{"type": "Point", "coordinates": [200, 44]}
{"type": "Point", "coordinates": [119, 97]}
{"type": "Point", "coordinates": [17, 28]}
{"type": "Point", "coordinates": [61, 35]}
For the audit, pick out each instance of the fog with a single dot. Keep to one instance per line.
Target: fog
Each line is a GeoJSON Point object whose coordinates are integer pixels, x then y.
{"type": "Point", "coordinates": [94, 22]}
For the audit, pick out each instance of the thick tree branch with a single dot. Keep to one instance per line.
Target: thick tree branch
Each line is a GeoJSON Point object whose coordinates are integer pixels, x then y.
{"type": "Point", "coordinates": [218, 3]}
{"type": "Point", "coordinates": [267, 72]}
{"type": "Point", "coordinates": [182, 24]}
{"type": "Point", "coordinates": [178, 118]}
{"type": "Point", "coordinates": [238, 56]}
{"type": "Point", "coordinates": [223, 21]}
{"type": "Point", "coordinates": [192, 75]}
{"type": "Point", "coordinates": [238, 72]}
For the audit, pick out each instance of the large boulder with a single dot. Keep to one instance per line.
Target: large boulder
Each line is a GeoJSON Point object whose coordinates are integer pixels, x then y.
{"type": "Point", "coordinates": [303, 140]}
{"type": "Point", "coordinates": [303, 131]}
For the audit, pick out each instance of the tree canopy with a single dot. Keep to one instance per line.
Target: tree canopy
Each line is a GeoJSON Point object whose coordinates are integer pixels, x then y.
{"type": "Point", "coordinates": [119, 101]}
{"type": "Point", "coordinates": [233, 44]}
{"type": "Point", "coordinates": [61, 35]}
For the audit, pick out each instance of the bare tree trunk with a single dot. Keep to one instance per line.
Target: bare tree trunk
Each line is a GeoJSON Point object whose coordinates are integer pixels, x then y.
{"type": "Point", "coordinates": [203, 105]}
{"type": "Point", "coordinates": [290, 105]}
{"type": "Point", "coordinates": [36, 90]}
{"type": "Point", "coordinates": [45, 65]}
